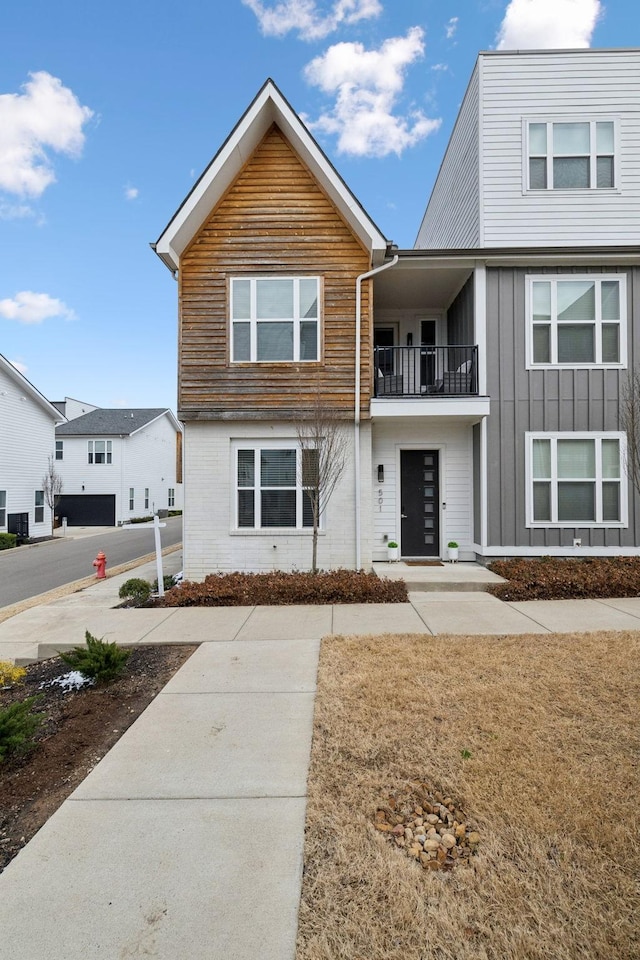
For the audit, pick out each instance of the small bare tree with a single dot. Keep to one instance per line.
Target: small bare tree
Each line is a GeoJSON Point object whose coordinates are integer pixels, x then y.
{"type": "Point", "coordinates": [630, 423]}
{"type": "Point", "coordinates": [52, 485]}
{"type": "Point", "coordinates": [323, 444]}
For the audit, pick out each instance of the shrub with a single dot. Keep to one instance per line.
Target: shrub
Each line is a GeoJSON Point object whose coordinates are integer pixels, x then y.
{"type": "Point", "coordinates": [7, 541]}
{"type": "Point", "coordinates": [254, 589]}
{"type": "Point", "coordinates": [167, 582]}
{"type": "Point", "coordinates": [17, 726]}
{"type": "Point", "coordinates": [141, 519]}
{"type": "Point", "coordinates": [99, 660]}
{"type": "Point", "coordinates": [136, 588]}
{"type": "Point", "coordinates": [560, 578]}
{"type": "Point", "coordinates": [10, 674]}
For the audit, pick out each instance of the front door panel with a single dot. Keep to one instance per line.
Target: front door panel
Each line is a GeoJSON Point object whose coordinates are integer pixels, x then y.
{"type": "Point", "coordinates": [420, 503]}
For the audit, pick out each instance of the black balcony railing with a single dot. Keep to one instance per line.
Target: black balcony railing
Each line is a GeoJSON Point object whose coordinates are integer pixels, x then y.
{"type": "Point", "coordinates": [425, 371]}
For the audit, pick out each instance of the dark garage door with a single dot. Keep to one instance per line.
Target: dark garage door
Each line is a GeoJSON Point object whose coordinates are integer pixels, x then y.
{"type": "Point", "coordinates": [83, 510]}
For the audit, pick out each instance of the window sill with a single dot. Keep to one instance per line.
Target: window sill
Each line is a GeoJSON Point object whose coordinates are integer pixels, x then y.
{"type": "Point", "coordinates": [572, 192]}
{"type": "Point", "coordinates": [275, 532]}
{"type": "Point", "coordinates": [579, 525]}
{"type": "Point", "coordinates": [576, 366]}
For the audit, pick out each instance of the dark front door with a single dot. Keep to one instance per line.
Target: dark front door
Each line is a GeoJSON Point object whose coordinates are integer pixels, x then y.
{"type": "Point", "coordinates": [420, 503]}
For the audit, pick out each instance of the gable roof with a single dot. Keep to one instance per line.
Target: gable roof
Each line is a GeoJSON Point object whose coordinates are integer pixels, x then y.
{"type": "Point", "coordinates": [28, 388]}
{"type": "Point", "coordinates": [268, 107]}
{"type": "Point", "coordinates": [113, 423]}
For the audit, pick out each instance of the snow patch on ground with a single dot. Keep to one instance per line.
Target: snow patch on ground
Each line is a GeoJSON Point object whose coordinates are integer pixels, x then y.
{"type": "Point", "coordinates": [74, 680]}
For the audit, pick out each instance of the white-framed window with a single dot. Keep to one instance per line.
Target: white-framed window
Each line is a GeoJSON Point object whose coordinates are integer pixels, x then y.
{"type": "Point", "coordinates": [576, 320]}
{"type": "Point", "coordinates": [576, 479]}
{"type": "Point", "coordinates": [132, 498]}
{"type": "Point", "coordinates": [3, 508]}
{"type": "Point", "coordinates": [275, 319]}
{"type": "Point", "coordinates": [146, 498]}
{"type": "Point", "coordinates": [59, 450]}
{"type": "Point", "coordinates": [39, 507]}
{"type": "Point", "coordinates": [171, 497]}
{"type": "Point", "coordinates": [99, 451]}
{"type": "Point", "coordinates": [571, 155]}
{"type": "Point", "coordinates": [270, 486]}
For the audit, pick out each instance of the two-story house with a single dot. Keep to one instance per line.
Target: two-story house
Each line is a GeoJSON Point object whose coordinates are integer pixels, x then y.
{"type": "Point", "coordinates": [117, 464]}
{"type": "Point", "coordinates": [478, 375]}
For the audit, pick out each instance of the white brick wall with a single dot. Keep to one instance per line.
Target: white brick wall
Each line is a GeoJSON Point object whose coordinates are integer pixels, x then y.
{"type": "Point", "coordinates": [210, 542]}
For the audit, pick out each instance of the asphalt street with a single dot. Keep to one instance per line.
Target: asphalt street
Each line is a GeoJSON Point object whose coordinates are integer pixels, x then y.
{"type": "Point", "coordinates": [28, 571]}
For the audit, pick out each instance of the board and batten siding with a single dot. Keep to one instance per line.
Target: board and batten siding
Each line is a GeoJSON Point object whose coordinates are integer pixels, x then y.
{"type": "Point", "coordinates": [27, 440]}
{"type": "Point", "coordinates": [557, 85]}
{"type": "Point", "coordinates": [274, 220]}
{"type": "Point", "coordinates": [454, 440]}
{"type": "Point", "coordinates": [544, 400]}
{"type": "Point", "coordinates": [452, 217]}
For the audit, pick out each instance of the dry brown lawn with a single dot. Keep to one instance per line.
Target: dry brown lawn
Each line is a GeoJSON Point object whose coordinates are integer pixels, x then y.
{"type": "Point", "coordinates": [551, 784]}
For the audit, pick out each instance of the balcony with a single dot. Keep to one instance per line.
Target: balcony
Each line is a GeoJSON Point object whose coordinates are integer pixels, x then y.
{"type": "Point", "coordinates": [425, 371]}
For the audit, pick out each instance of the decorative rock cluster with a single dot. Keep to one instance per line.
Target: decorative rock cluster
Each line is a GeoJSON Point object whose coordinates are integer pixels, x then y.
{"type": "Point", "coordinates": [428, 826]}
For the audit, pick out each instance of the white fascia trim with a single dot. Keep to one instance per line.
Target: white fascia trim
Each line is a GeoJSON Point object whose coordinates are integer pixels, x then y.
{"type": "Point", "coordinates": [511, 551]}
{"type": "Point", "coordinates": [470, 409]}
{"type": "Point", "coordinates": [165, 413]}
{"type": "Point", "coordinates": [268, 107]}
{"type": "Point", "coordinates": [480, 309]}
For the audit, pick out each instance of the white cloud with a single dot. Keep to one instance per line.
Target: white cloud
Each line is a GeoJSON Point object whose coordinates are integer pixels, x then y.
{"type": "Point", "coordinates": [15, 211]}
{"type": "Point", "coordinates": [20, 367]}
{"type": "Point", "coordinates": [28, 307]}
{"type": "Point", "coordinates": [367, 84]}
{"type": "Point", "coordinates": [45, 117]}
{"type": "Point", "coordinates": [440, 67]}
{"type": "Point", "coordinates": [312, 20]}
{"type": "Point", "coordinates": [548, 24]}
{"type": "Point", "coordinates": [451, 27]}
{"type": "Point", "coordinates": [131, 193]}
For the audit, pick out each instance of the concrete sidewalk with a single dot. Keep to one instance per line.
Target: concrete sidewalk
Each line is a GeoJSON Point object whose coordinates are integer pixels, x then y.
{"type": "Point", "coordinates": [186, 841]}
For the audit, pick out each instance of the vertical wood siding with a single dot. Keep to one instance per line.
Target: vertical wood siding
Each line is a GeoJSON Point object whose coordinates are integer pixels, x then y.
{"type": "Point", "coordinates": [274, 220]}
{"type": "Point", "coordinates": [545, 400]}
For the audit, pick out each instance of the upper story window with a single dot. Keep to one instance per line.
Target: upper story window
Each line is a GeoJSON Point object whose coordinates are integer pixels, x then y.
{"type": "Point", "coordinates": [572, 156]}
{"type": "Point", "coordinates": [576, 321]}
{"type": "Point", "coordinates": [59, 450]}
{"type": "Point", "coordinates": [275, 319]}
{"type": "Point", "coordinates": [576, 479]}
{"type": "Point", "coordinates": [99, 451]}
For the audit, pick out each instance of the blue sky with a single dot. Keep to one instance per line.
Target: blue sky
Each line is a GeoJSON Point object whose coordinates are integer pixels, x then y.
{"type": "Point", "coordinates": [108, 113]}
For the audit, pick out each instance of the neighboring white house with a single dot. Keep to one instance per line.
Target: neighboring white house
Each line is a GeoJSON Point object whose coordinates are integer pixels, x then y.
{"type": "Point", "coordinates": [70, 408]}
{"type": "Point", "coordinates": [27, 438]}
{"type": "Point", "coordinates": [118, 464]}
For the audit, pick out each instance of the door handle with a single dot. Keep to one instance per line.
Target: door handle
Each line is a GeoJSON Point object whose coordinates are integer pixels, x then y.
{"type": "Point", "coordinates": [403, 516]}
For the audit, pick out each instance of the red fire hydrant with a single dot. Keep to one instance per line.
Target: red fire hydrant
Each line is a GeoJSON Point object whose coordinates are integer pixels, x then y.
{"type": "Point", "coordinates": [100, 564]}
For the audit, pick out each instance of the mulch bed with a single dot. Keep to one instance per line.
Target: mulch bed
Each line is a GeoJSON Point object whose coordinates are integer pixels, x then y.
{"type": "Point", "coordinates": [551, 578]}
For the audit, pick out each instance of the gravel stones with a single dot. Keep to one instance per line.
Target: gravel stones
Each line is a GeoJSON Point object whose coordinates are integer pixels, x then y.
{"type": "Point", "coordinates": [428, 826]}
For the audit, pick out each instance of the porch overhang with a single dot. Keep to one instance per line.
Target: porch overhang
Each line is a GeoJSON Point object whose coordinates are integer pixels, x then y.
{"type": "Point", "coordinates": [461, 409]}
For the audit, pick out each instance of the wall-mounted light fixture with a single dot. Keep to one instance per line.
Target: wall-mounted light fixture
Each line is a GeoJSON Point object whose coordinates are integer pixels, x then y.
{"type": "Point", "coordinates": [409, 339]}
{"type": "Point", "coordinates": [380, 473]}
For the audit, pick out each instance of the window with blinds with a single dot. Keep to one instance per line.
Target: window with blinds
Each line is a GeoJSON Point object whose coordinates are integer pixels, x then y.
{"type": "Point", "coordinates": [578, 155]}
{"type": "Point", "coordinates": [275, 319]}
{"type": "Point", "coordinates": [576, 479]}
{"type": "Point", "coordinates": [271, 488]}
{"type": "Point", "coordinates": [577, 320]}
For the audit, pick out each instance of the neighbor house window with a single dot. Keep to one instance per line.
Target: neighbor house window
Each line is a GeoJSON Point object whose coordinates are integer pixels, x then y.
{"type": "Point", "coordinates": [146, 498]}
{"type": "Point", "coordinates": [577, 320]}
{"type": "Point", "coordinates": [571, 156]}
{"type": "Point", "coordinates": [59, 450]}
{"type": "Point", "coordinates": [132, 497]}
{"type": "Point", "coordinates": [3, 508]}
{"type": "Point", "coordinates": [270, 488]}
{"type": "Point", "coordinates": [576, 480]}
{"type": "Point", "coordinates": [171, 497]}
{"type": "Point", "coordinates": [275, 319]}
{"type": "Point", "coordinates": [99, 451]}
{"type": "Point", "coordinates": [39, 507]}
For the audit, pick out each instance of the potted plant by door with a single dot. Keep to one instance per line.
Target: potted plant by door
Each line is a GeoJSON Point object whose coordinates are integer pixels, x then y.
{"type": "Point", "coordinates": [452, 547]}
{"type": "Point", "coordinates": [392, 551]}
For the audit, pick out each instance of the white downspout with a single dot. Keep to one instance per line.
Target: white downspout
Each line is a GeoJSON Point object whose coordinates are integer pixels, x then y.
{"type": "Point", "coordinates": [356, 415]}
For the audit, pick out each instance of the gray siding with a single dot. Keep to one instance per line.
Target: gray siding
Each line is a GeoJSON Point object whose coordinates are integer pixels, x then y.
{"type": "Point", "coordinates": [549, 400]}
{"type": "Point", "coordinates": [452, 218]}
{"type": "Point", "coordinates": [460, 324]}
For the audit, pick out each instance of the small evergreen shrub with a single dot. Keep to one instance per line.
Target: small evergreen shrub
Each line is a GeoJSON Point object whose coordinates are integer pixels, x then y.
{"type": "Point", "coordinates": [18, 724]}
{"type": "Point", "coordinates": [10, 674]}
{"type": "Point", "coordinates": [167, 581]}
{"type": "Point", "coordinates": [135, 589]}
{"type": "Point", "coordinates": [101, 661]}
{"type": "Point", "coordinates": [7, 541]}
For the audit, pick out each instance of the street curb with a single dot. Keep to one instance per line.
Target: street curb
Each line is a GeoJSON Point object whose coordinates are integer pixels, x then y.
{"type": "Point", "coordinates": [77, 585]}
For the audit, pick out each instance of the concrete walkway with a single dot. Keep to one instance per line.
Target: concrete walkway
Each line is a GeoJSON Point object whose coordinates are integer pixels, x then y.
{"type": "Point", "coordinates": [186, 841]}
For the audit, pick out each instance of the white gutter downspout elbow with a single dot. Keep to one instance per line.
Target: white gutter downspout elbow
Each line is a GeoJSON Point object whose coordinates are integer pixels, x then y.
{"type": "Point", "coordinates": [356, 414]}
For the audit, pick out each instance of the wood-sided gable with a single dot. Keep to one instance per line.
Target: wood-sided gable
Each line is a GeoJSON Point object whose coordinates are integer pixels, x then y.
{"type": "Point", "coordinates": [274, 219]}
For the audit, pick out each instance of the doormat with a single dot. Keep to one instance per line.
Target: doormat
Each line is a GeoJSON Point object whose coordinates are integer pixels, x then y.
{"type": "Point", "coordinates": [424, 563]}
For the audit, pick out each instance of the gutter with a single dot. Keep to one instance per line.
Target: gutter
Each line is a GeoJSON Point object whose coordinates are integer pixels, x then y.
{"type": "Point", "coordinates": [356, 413]}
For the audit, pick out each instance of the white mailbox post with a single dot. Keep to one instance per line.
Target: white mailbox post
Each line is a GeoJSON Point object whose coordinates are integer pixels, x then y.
{"type": "Point", "coordinates": [156, 529]}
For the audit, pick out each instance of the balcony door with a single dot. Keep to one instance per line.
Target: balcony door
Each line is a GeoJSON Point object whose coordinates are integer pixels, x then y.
{"type": "Point", "coordinates": [428, 354]}
{"type": "Point", "coordinates": [420, 503]}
